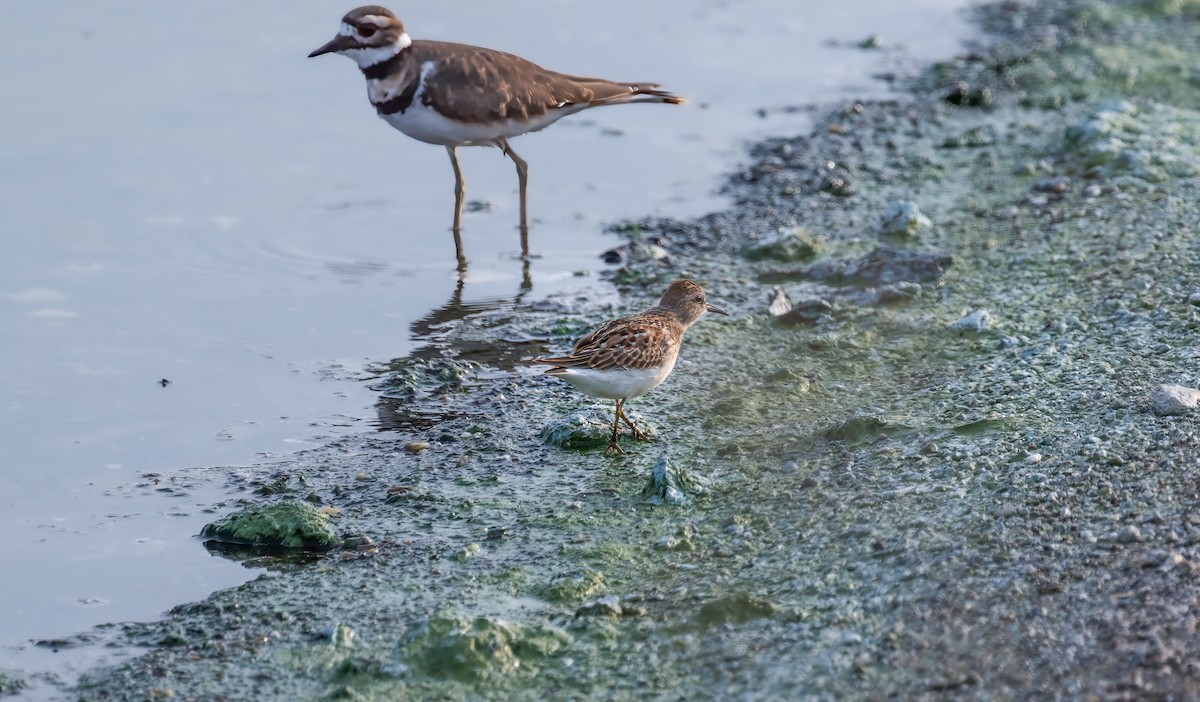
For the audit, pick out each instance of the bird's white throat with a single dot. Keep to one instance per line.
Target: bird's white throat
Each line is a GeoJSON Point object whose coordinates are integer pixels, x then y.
{"type": "Point", "coordinates": [367, 57]}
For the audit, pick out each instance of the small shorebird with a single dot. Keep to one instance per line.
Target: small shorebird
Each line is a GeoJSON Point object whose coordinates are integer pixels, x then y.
{"type": "Point", "coordinates": [459, 95]}
{"type": "Point", "coordinates": [628, 357]}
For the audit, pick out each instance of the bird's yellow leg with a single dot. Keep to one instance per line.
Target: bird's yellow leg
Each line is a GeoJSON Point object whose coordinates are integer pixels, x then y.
{"type": "Point", "coordinates": [613, 448]}
{"type": "Point", "coordinates": [637, 433]}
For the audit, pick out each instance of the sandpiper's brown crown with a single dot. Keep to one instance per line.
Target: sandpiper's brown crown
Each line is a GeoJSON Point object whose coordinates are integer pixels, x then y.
{"type": "Point", "coordinates": [686, 301]}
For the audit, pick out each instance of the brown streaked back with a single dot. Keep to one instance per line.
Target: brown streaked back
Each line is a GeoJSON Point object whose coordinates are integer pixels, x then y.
{"type": "Point", "coordinates": [483, 85]}
{"type": "Point", "coordinates": [643, 341]}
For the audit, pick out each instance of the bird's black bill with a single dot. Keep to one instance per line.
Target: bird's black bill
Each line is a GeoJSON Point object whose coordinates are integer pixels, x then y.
{"type": "Point", "coordinates": [713, 308]}
{"type": "Point", "coordinates": [339, 43]}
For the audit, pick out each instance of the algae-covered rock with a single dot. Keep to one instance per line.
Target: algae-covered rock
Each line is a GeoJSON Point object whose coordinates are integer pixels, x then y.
{"type": "Point", "coordinates": [1111, 119]}
{"type": "Point", "coordinates": [1119, 139]}
{"type": "Point", "coordinates": [736, 608]}
{"type": "Point", "coordinates": [572, 586]}
{"type": "Point", "coordinates": [287, 525]}
{"type": "Point", "coordinates": [457, 648]}
{"type": "Point", "coordinates": [468, 552]}
{"type": "Point", "coordinates": [972, 138]}
{"type": "Point", "coordinates": [470, 650]}
{"type": "Point", "coordinates": [883, 265]}
{"type": "Point", "coordinates": [588, 428]}
{"type": "Point", "coordinates": [668, 484]}
{"type": "Point", "coordinates": [637, 251]}
{"type": "Point", "coordinates": [902, 218]}
{"type": "Point", "coordinates": [803, 312]}
{"type": "Point", "coordinates": [608, 606]}
{"type": "Point", "coordinates": [787, 245]}
{"type": "Point", "coordinates": [964, 94]}
{"type": "Point", "coordinates": [866, 429]}
{"type": "Point", "coordinates": [411, 378]}
{"type": "Point", "coordinates": [11, 683]}
{"type": "Point", "coordinates": [342, 636]}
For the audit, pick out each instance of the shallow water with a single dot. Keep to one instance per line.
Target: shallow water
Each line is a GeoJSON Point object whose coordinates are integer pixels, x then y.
{"type": "Point", "coordinates": [187, 197]}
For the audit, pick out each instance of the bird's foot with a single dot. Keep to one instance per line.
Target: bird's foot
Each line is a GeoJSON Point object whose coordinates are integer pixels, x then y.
{"type": "Point", "coordinates": [613, 449]}
{"type": "Point", "coordinates": [640, 435]}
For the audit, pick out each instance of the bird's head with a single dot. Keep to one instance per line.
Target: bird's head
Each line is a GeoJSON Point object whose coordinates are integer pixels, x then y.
{"type": "Point", "coordinates": [370, 34]}
{"type": "Point", "coordinates": [686, 301]}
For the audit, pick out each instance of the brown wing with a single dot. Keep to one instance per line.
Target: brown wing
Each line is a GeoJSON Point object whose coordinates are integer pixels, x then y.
{"type": "Point", "coordinates": [481, 84]}
{"type": "Point", "coordinates": [599, 333]}
{"type": "Point", "coordinates": [633, 342]}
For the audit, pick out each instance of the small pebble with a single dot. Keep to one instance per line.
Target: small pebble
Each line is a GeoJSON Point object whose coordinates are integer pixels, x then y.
{"type": "Point", "coordinates": [1129, 534]}
{"type": "Point", "coordinates": [902, 218]}
{"type": "Point", "coordinates": [977, 321]}
{"type": "Point", "coordinates": [1170, 400]}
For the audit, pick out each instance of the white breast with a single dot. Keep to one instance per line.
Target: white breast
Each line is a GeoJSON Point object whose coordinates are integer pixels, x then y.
{"type": "Point", "coordinates": [615, 384]}
{"type": "Point", "coordinates": [423, 123]}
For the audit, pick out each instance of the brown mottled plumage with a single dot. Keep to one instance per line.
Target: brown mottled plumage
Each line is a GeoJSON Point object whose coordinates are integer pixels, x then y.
{"type": "Point", "coordinates": [628, 357]}
{"type": "Point", "coordinates": [483, 85]}
{"type": "Point", "coordinates": [460, 95]}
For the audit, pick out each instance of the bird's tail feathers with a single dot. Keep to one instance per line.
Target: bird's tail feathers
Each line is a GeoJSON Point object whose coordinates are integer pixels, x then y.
{"type": "Point", "coordinates": [629, 93]}
{"type": "Point", "coordinates": [560, 364]}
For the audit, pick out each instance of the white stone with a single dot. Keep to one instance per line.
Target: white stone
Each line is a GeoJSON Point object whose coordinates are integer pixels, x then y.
{"type": "Point", "coordinates": [1170, 400]}
{"type": "Point", "coordinates": [902, 218]}
{"type": "Point", "coordinates": [977, 321]}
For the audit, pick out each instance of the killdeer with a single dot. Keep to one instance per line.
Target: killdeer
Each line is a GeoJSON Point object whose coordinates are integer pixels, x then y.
{"type": "Point", "coordinates": [459, 95]}
{"type": "Point", "coordinates": [630, 356]}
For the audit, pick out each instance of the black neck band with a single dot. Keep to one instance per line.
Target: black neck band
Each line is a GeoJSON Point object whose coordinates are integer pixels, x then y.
{"type": "Point", "coordinates": [385, 67]}
{"type": "Point", "coordinates": [400, 103]}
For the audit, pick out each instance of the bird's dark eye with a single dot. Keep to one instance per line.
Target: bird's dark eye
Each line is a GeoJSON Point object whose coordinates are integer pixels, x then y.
{"type": "Point", "coordinates": [698, 298]}
{"type": "Point", "coordinates": [366, 30]}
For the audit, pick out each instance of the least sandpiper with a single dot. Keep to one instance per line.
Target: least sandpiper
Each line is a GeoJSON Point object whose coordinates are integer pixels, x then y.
{"type": "Point", "coordinates": [628, 357]}
{"type": "Point", "coordinates": [459, 95]}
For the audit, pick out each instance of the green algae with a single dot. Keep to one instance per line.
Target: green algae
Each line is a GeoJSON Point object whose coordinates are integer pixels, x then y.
{"type": "Point", "coordinates": [287, 525]}
{"type": "Point", "coordinates": [11, 683]}
{"type": "Point", "coordinates": [867, 429]}
{"type": "Point", "coordinates": [788, 246]}
{"type": "Point", "coordinates": [957, 532]}
{"type": "Point", "coordinates": [589, 428]}
{"type": "Point", "coordinates": [573, 586]}
{"type": "Point", "coordinates": [1119, 139]}
{"type": "Point", "coordinates": [476, 649]}
{"type": "Point", "coordinates": [736, 608]}
{"type": "Point", "coordinates": [422, 377]}
{"type": "Point", "coordinates": [469, 551]}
